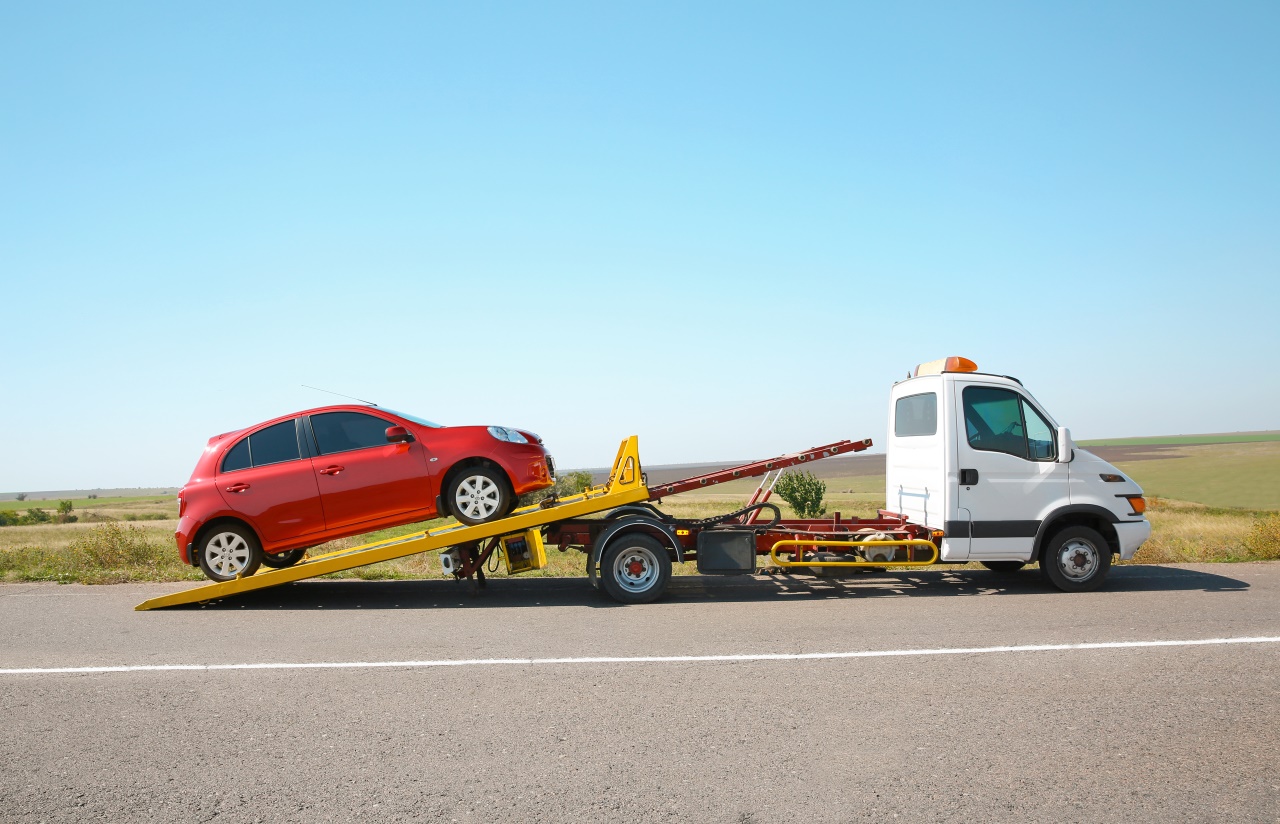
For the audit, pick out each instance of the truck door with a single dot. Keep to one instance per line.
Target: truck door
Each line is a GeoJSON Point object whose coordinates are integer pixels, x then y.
{"type": "Point", "coordinates": [1009, 475]}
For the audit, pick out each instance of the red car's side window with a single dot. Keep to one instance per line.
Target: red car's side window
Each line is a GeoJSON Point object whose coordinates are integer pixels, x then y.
{"type": "Point", "coordinates": [345, 431]}
{"type": "Point", "coordinates": [275, 444]}
{"type": "Point", "coordinates": [237, 457]}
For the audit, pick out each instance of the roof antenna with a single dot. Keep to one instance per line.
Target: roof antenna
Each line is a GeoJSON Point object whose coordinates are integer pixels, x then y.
{"type": "Point", "coordinates": [339, 394]}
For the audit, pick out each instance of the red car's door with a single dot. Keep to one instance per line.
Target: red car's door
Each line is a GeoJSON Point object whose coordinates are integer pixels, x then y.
{"type": "Point", "coordinates": [364, 478]}
{"type": "Point", "coordinates": [265, 478]}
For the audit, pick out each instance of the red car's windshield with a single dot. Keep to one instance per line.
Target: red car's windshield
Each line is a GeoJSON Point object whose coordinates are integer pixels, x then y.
{"type": "Point", "coordinates": [414, 418]}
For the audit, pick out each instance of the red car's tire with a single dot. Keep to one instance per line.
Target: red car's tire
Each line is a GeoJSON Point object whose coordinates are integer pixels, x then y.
{"type": "Point", "coordinates": [229, 551]}
{"type": "Point", "coordinates": [283, 560]}
{"type": "Point", "coordinates": [479, 494]}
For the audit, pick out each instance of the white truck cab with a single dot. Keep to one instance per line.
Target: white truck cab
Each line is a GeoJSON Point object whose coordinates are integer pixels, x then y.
{"type": "Point", "coordinates": [976, 456]}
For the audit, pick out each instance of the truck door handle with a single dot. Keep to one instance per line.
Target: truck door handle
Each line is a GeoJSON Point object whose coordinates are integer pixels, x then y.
{"type": "Point", "coordinates": [332, 470]}
{"type": "Point", "coordinates": [968, 477]}
{"type": "Point", "coordinates": [237, 487]}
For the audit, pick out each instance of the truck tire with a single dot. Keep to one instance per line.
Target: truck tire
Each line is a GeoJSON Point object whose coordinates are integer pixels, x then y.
{"type": "Point", "coordinates": [1003, 566]}
{"type": "Point", "coordinates": [1076, 559]}
{"type": "Point", "coordinates": [283, 560]}
{"type": "Point", "coordinates": [635, 569]}
{"type": "Point", "coordinates": [228, 552]}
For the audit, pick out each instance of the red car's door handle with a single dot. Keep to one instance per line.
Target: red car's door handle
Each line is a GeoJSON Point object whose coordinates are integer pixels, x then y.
{"type": "Point", "coordinates": [332, 470]}
{"type": "Point", "coordinates": [237, 487]}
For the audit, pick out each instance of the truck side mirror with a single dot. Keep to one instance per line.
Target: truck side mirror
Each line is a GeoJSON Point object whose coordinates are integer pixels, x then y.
{"type": "Point", "coordinates": [1065, 452]}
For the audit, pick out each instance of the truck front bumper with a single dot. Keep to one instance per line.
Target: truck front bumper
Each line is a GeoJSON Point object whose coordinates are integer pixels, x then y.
{"type": "Point", "coordinates": [1132, 534]}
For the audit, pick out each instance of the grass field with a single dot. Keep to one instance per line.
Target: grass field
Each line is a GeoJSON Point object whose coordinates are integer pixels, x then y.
{"type": "Point", "coordinates": [86, 503]}
{"type": "Point", "coordinates": [1209, 502]}
{"type": "Point", "coordinates": [1175, 440]}
{"type": "Point", "coordinates": [1240, 475]}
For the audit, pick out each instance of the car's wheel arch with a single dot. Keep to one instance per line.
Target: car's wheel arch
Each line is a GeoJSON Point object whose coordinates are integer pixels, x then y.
{"type": "Point", "coordinates": [443, 508]}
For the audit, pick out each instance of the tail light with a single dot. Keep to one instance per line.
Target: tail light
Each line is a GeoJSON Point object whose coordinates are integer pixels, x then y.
{"type": "Point", "coordinates": [182, 502]}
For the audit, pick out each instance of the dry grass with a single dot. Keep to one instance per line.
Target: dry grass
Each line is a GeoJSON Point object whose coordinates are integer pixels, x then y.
{"type": "Point", "coordinates": [106, 553]}
{"type": "Point", "coordinates": [1183, 532]}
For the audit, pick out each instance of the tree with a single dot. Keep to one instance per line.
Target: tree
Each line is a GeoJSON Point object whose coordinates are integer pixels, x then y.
{"type": "Point", "coordinates": [803, 492]}
{"type": "Point", "coordinates": [64, 515]}
{"type": "Point", "coordinates": [22, 496]}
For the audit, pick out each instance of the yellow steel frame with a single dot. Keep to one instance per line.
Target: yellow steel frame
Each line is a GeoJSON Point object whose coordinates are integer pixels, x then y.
{"type": "Point", "coordinates": [773, 553]}
{"type": "Point", "coordinates": [624, 486]}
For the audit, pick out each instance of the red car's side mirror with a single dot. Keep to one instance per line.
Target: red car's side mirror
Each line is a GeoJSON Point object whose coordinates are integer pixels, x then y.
{"type": "Point", "coordinates": [398, 434]}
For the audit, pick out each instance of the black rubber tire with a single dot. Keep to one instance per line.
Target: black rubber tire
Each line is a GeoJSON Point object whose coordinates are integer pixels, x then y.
{"type": "Point", "coordinates": [283, 560]}
{"type": "Point", "coordinates": [220, 540]}
{"type": "Point", "coordinates": [1003, 566]}
{"type": "Point", "coordinates": [502, 497]}
{"type": "Point", "coordinates": [1076, 559]}
{"type": "Point", "coordinates": [653, 570]}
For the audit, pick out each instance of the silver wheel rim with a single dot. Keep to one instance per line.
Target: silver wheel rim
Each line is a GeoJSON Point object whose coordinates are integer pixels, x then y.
{"type": "Point", "coordinates": [478, 497]}
{"type": "Point", "coordinates": [227, 554]}
{"type": "Point", "coordinates": [1078, 559]}
{"type": "Point", "coordinates": [636, 569]}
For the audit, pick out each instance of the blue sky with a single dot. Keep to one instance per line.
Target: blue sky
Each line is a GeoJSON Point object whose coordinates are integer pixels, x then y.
{"type": "Point", "coordinates": [726, 228]}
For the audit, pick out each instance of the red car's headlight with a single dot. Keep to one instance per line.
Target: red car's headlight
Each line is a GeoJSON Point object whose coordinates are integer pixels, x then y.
{"type": "Point", "coordinates": [506, 433]}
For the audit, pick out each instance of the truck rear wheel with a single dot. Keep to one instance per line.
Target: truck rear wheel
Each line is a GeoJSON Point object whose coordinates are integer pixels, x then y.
{"type": "Point", "coordinates": [635, 569]}
{"type": "Point", "coordinates": [1076, 559]}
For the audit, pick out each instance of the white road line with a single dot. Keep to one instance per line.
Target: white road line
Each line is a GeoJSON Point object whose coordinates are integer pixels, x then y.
{"type": "Point", "coordinates": [641, 659]}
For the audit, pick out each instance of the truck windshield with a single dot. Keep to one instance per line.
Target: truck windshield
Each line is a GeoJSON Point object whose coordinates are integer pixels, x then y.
{"type": "Point", "coordinates": [414, 418]}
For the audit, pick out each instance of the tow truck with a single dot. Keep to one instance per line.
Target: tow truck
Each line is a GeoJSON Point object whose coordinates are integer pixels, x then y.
{"type": "Point", "coordinates": [976, 470]}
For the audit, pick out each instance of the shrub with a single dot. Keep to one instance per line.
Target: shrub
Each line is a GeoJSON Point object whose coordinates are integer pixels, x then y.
{"type": "Point", "coordinates": [569, 483]}
{"type": "Point", "coordinates": [36, 516]}
{"type": "Point", "coordinates": [64, 515]}
{"type": "Point", "coordinates": [1263, 540]}
{"type": "Point", "coordinates": [804, 492]}
{"type": "Point", "coordinates": [9, 518]}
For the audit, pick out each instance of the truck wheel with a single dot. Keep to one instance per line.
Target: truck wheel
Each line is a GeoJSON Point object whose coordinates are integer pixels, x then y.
{"type": "Point", "coordinates": [479, 494]}
{"type": "Point", "coordinates": [283, 560]}
{"type": "Point", "coordinates": [1003, 566]}
{"type": "Point", "coordinates": [635, 569]}
{"type": "Point", "coordinates": [229, 552]}
{"type": "Point", "coordinates": [1076, 559]}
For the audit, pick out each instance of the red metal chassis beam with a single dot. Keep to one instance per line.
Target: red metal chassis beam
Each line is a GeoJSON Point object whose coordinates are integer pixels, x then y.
{"type": "Point", "coordinates": [757, 468]}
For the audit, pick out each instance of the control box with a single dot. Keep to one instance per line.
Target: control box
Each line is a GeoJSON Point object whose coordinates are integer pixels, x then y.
{"type": "Point", "coordinates": [524, 551]}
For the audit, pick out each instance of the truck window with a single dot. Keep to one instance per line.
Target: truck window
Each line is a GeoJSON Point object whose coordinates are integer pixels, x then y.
{"type": "Point", "coordinates": [993, 420]}
{"type": "Point", "coordinates": [1001, 420]}
{"type": "Point", "coordinates": [916, 415]}
{"type": "Point", "coordinates": [1041, 443]}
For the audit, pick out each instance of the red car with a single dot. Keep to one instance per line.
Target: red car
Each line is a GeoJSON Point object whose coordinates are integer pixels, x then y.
{"type": "Point", "coordinates": [266, 493]}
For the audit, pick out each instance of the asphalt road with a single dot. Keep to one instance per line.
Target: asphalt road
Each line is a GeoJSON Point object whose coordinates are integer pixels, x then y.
{"type": "Point", "coordinates": [1178, 733]}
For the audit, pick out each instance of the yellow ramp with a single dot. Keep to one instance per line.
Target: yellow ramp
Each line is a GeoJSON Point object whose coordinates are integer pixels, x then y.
{"type": "Point", "coordinates": [624, 486]}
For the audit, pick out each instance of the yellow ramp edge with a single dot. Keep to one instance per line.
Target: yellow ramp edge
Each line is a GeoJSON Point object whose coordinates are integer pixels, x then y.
{"type": "Point", "coordinates": [624, 486]}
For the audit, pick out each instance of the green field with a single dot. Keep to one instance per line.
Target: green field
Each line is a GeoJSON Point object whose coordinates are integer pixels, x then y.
{"type": "Point", "coordinates": [1178, 440]}
{"type": "Point", "coordinates": [84, 503]}
{"type": "Point", "coordinates": [1237, 475]}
